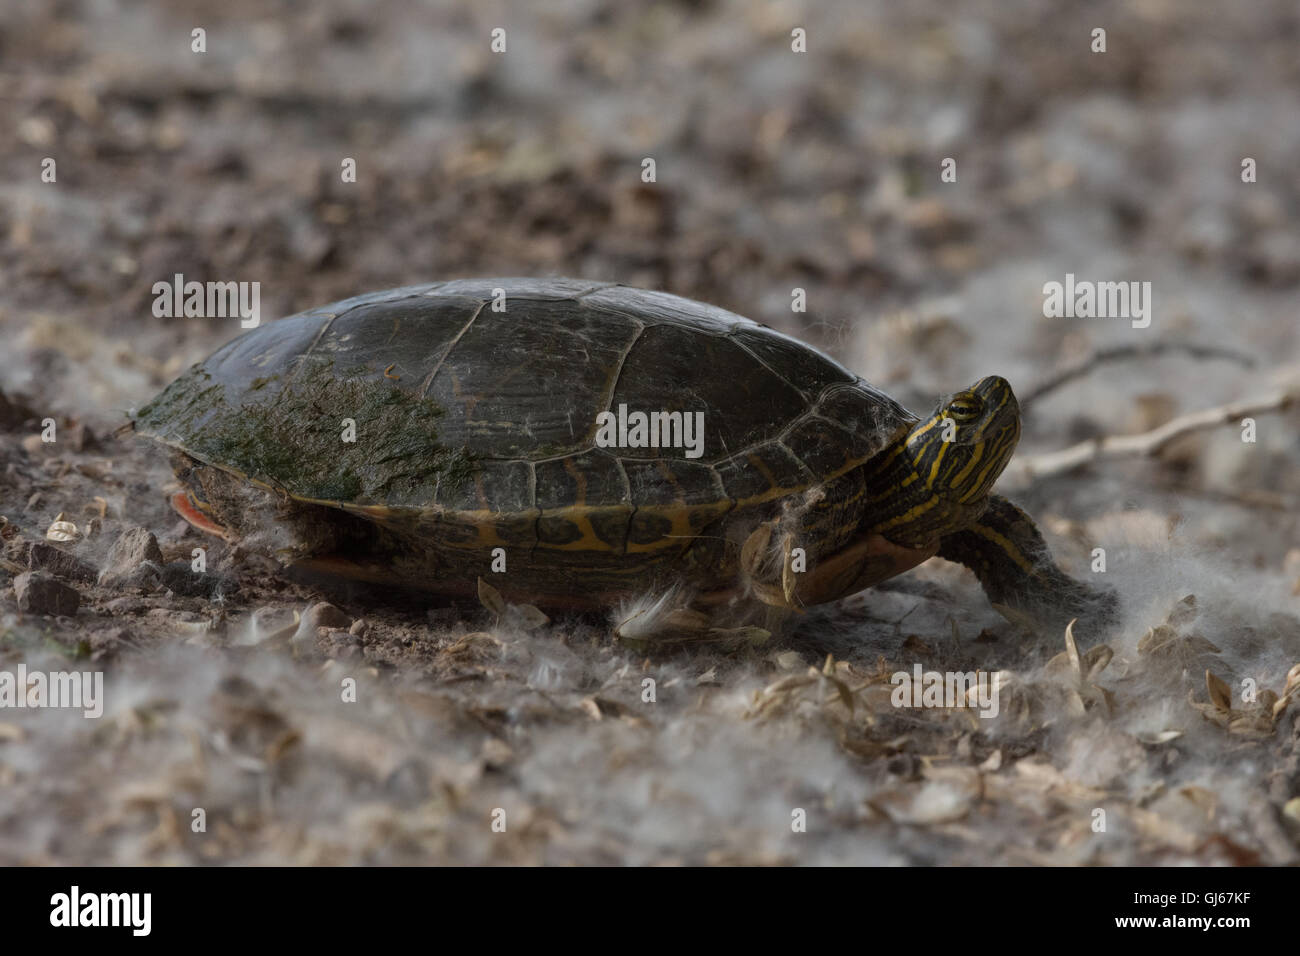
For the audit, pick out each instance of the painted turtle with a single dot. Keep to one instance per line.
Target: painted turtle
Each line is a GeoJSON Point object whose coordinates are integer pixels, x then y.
{"type": "Point", "coordinates": [596, 442]}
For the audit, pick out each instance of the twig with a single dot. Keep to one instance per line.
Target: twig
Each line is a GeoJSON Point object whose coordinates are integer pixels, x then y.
{"type": "Point", "coordinates": [1025, 470]}
{"type": "Point", "coordinates": [1077, 369]}
{"type": "Point", "coordinates": [1246, 498]}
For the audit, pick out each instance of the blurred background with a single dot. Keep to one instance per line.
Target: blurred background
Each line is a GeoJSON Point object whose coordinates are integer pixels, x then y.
{"type": "Point", "coordinates": [775, 171]}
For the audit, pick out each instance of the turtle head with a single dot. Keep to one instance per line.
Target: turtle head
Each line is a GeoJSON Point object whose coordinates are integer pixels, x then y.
{"type": "Point", "coordinates": [937, 480]}
{"type": "Point", "coordinates": [961, 449]}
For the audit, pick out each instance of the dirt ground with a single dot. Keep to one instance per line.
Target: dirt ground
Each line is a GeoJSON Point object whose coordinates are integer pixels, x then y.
{"type": "Point", "coordinates": [1171, 738]}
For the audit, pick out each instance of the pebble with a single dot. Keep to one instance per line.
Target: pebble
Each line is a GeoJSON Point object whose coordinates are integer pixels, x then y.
{"type": "Point", "coordinates": [41, 556]}
{"type": "Point", "coordinates": [132, 548]}
{"type": "Point", "coordinates": [40, 592]}
{"type": "Point", "coordinates": [324, 615]}
{"type": "Point", "coordinates": [126, 605]}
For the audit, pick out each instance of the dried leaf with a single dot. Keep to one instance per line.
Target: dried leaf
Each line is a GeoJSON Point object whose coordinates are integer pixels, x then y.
{"type": "Point", "coordinates": [491, 598]}
{"type": "Point", "coordinates": [529, 617]}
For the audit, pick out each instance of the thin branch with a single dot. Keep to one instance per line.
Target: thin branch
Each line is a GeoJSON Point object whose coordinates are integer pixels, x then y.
{"type": "Point", "coordinates": [1025, 470]}
{"type": "Point", "coordinates": [1068, 373]}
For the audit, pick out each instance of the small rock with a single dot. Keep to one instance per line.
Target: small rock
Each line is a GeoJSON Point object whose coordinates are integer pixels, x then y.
{"type": "Point", "coordinates": [132, 548]}
{"type": "Point", "coordinates": [324, 615]}
{"type": "Point", "coordinates": [40, 592]}
{"type": "Point", "coordinates": [359, 627]}
{"type": "Point", "coordinates": [126, 605]}
{"type": "Point", "coordinates": [42, 556]}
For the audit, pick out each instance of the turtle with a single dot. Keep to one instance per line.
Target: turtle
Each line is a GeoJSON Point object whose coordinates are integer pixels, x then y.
{"type": "Point", "coordinates": [579, 444]}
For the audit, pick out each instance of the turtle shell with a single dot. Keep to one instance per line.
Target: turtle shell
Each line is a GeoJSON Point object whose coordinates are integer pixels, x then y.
{"type": "Point", "coordinates": [471, 410]}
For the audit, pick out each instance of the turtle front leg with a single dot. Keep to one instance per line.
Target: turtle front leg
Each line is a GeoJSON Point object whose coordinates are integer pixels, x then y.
{"type": "Point", "coordinates": [1014, 566]}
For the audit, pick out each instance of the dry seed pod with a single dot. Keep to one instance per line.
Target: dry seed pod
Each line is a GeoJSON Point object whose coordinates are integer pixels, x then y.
{"type": "Point", "coordinates": [1292, 681]}
{"type": "Point", "coordinates": [1155, 638]}
{"type": "Point", "coordinates": [787, 569]}
{"type": "Point", "coordinates": [1095, 660]}
{"type": "Point", "coordinates": [756, 545]}
{"type": "Point", "coordinates": [1220, 692]}
{"type": "Point", "coordinates": [1266, 701]}
{"type": "Point", "coordinates": [1161, 737]}
{"type": "Point", "coordinates": [1072, 650]}
{"type": "Point", "coordinates": [754, 635]}
{"type": "Point", "coordinates": [686, 620]}
{"type": "Point", "coordinates": [1251, 726]}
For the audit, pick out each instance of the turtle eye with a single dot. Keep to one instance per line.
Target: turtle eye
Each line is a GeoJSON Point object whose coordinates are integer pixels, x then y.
{"type": "Point", "coordinates": [964, 409]}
